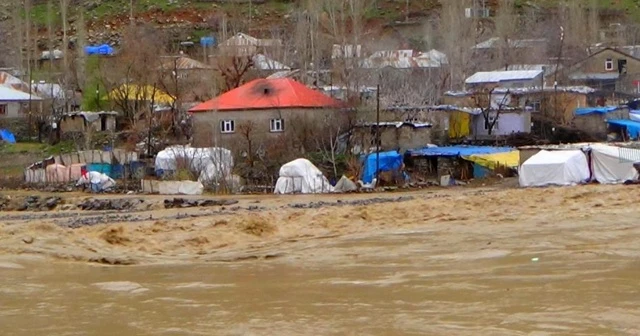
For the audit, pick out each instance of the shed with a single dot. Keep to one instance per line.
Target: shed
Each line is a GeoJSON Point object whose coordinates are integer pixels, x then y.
{"type": "Point", "coordinates": [83, 121]}
{"type": "Point", "coordinates": [394, 135]}
{"type": "Point", "coordinates": [449, 160]}
{"type": "Point", "coordinates": [593, 120]}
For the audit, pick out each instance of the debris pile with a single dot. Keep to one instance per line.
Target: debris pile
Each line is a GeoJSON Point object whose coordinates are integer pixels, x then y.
{"type": "Point", "coordinates": [192, 203]}
{"type": "Point", "coordinates": [29, 203]}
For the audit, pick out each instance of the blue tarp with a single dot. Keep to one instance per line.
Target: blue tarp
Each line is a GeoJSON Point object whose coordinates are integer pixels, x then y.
{"type": "Point", "coordinates": [207, 41]}
{"type": "Point", "coordinates": [455, 151]}
{"type": "Point", "coordinates": [633, 127]}
{"type": "Point", "coordinates": [104, 49]}
{"type": "Point", "coordinates": [7, 136]}
{"type": "Point", "coordinates": [388, 161]}
{"type": "Point", "coordinates": [591, 110]}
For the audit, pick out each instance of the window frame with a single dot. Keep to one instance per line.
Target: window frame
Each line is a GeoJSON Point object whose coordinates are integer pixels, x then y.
{"type": "Point", "coordinates": [608, 64]}
{"type": "Point", "coordinates": [533, 103]}
{"type": "Point", "coordinates": [489, 121]}
{"type": "Point", "coordinates": [4, 110]}
{"type": "Point", "coordinates": [227, 130]}
{"type": "Point", "coordinates": [276, 121]}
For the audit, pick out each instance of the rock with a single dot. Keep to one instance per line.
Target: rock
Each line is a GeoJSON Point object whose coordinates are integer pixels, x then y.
{"type": "Point", "coordinates": [52, 202]}
{"type": "Point", "coordinates": [28, 240]}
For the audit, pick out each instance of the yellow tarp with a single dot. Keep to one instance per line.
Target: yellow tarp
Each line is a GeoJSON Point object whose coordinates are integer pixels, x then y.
{"type": "Point", "coordinates": [509, 159]}
{"type": "Point", "coordinates": [144, 93]}
{"type": "Point", "coordinates": [459, 124]}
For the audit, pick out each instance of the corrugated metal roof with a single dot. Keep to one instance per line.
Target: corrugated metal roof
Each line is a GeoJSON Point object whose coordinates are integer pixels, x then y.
{"type": "Point", "coordinates": [396, 124]}
{"type": "Point", "coordinates": [13, 82]}
{"type": "Point", "coordinates": [185, 63]}
{"type": "Point", "coordinates": [455, 151]}
{"type": "Point", "coordinates": [261, 94]}
{"type": "Point", "coordinates": [405, 59]}
{"type": "Point", "coordinates": [494, 42]}
{"type": "Point", "coordinates": [242, 39]}
{"type": "Point", "coordinates": [547, 68]}
{"type": "Point", "coordinates": [595, 75]}
{"type": "Point", "coordinates": [530, 90]}
{"type": "Point", "coordinates": [262, 62]}
{"type": "Point", "coordinates": [9, 94]}
{"type": "Point", "coordinates": [502, 76]}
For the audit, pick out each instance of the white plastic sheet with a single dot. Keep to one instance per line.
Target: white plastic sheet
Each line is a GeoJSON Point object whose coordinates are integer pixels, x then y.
{"type": "Point", "coordinates": [563, 167]}
{"type": "Point", "coordinates": [301, 176]}
{"type": "Point", "coordinates": [212, 164]}
{"type": "Point", "coordinates": [93, 177]}
{"type": "Point", "coordinates": [612, 165]}
{"type": "Point", "coordinates": [180, 188]}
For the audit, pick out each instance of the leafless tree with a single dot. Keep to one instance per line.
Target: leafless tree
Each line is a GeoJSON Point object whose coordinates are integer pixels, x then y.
{"type": "Point", "coordinates": [490, 107]}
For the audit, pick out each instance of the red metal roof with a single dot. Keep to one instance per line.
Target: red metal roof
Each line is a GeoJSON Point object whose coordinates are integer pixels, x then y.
{"type": "Point", "coordinates": [268, 94]}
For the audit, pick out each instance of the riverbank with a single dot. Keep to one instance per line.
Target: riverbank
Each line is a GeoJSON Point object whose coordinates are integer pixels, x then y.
{"type": "Point", "coordinates": [264, 227]}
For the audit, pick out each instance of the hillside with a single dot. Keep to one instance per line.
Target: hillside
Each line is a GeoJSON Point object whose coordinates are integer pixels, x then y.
{"type": "Point", "coordinates": [188, 20]}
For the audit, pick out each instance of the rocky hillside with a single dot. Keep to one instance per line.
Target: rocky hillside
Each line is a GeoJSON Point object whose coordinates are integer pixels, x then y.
{"type": "Point", "coordinates": [192, 19]}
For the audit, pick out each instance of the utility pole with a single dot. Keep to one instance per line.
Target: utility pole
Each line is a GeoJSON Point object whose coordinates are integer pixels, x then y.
{"type": "Point", "coordinates": [377, 132]}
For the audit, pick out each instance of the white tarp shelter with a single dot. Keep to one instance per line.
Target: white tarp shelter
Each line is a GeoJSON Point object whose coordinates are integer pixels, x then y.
{"type": "Point", "coordinates": [612, 164]}
{"type": "Point", "coordinates": [301, 176]}
{"type": "Point", "coordinates": [212, 164]}
{"type": "Point", "coordinates": [564, 167]}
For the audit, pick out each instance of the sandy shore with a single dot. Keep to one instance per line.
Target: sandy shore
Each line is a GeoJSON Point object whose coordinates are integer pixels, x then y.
{"type": "Point", "coordinates": [272, 226]}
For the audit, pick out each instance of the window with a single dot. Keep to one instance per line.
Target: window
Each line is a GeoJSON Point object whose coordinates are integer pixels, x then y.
{"type": "Point", "coordinates": [276, 125]}
{"type": "Point", "coordinates": [3, 109]}
{"type": "Point", "coordinates": [489, 121]}
{"type": "Point", "coordinates": [534, 105]}
{"type": "Point", "coordinates": [622, 66]}
{"type": "Point", "coordinates": [227, 126]}
{"type": "Point", "coordinates": [608, 64]}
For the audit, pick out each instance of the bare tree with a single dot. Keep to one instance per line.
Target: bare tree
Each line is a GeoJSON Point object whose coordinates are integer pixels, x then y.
{"type": "Point", "coordinates": [459, 35]}
{"type": "Point", "coordinates": [490, 107]}
{"type": "Point", "coordinates": [506, 30]}
{"type": "Point", "coordinates": [234, 69]}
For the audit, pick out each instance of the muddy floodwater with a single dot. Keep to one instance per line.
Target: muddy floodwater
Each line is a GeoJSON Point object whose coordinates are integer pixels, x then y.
{"type": "Point", "coordinates": [514, 262]}
{"type": "Point", "coordinates": [381, 285]}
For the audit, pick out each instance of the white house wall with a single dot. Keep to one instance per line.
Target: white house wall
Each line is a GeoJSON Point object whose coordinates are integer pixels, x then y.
{"type": "Point", "coordinates": [508, 123]}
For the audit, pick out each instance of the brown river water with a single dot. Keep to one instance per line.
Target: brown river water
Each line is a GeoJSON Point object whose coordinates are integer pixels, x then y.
{"type": "Point", "coordinates": [537, 262]}
{"type": "Point", "coordinates": [375, 285]}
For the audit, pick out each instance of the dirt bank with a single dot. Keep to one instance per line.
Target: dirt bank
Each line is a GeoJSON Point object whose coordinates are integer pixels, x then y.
{"type": "Point", "coordinates": [270, 226]}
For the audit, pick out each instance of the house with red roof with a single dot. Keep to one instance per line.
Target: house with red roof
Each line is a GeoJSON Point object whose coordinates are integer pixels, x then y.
{"type": "Point", "coordinates": [265, 107]}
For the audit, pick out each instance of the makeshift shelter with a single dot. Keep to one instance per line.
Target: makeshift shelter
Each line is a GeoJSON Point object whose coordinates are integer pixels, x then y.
{"type": "Point", "coordinates": [211, 164]}
{"type": "Point", "coordinates": [385, 161]}
{"type": "Point", "coordinates": [555, 168]}
{"type": "Point", "coordinates": [612, 165]}
{"type": "Point", "coordinates": [301, 176]}
{"type": "Point", "coordinates": [345, 185]}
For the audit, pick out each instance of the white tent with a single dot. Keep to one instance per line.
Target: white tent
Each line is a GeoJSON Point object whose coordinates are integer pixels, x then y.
{"type": "Point", "coordinates": [301, 176]}
{"type": "Point", "coordinates": [563, 167]}
{"type": "Point", "coordinates": [613, 164]}
{"type": "Point", "coordinates": [212, 164]}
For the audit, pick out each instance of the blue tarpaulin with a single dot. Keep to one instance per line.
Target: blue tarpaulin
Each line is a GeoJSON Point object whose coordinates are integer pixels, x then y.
{"type": "Point", "coordinates": [455, 151]}
{"type": "Point", "coordinates": [7, 136]}
{"type": "Point", "coordinates": [591, 110]}
{"type": "Point", "coordinates": [104, 49]}
{"type": "Point", "coordinates": [388, 161]}
{"type": "Point", "coordinates": [208, 41]}
{"type": "Point", "coordinates": [633, 127]}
